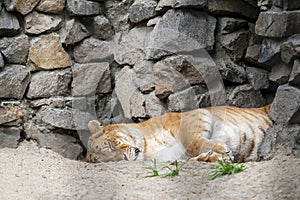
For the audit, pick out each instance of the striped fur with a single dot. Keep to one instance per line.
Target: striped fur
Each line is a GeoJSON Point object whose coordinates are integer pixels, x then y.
{"type": "Point", "coordinates": [205, 134]}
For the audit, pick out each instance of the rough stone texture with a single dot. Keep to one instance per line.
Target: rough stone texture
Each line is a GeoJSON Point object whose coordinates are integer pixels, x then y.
{"type": "Point", "coordinates": [14, 80]}
{"type": "Point", "coordinates": [270, 51]}
{"type": "Point", "coordinates": [103, 29]}
{"type": "Point", "coordinates": [246, 96]}
{"type": "Point", "coordinates": [228, 69]}
{"type": "Point", "coordinates": [9, 137]}
{"type": "Point", "coordinates": [93, 50]}
{"type": "Point", "coordinates": [10, 113]}
{"type": "Point", "coordinates": [236, 43]}
{"type": "Point", "coordinates": [165, 4]}
{"type": "Point", "coordinates": [286, 105]}
{"type": "Point", "coordinates": [137, 109]}
{"type": "Point", "coordinates": [183, 101]}
{"type": "Point", "coordinates": [73, 32]}
{"type": "Point", "coordinates": [258, 78]}
{"type": "Point", "coordinates": [91, 79]}
{"type": "Point", "coordinates": [47, 84]}
{"type": "Point", "coordinates": [154, 106]}
{"type": "Point", "coordinates": [37, 23]}
{"type": "Point", "coordinates": [287, 4]}
{"type": "Point", "coordinates": [22, 6]}
{"type": "Point", "coordinates": [252, 57]}
{"type": "Point", "coordinates": [295, 74]}
{"type": "Point", "coordinates": [9, 24]}
{"type": "Point", "coordinates": [130, 47]}
{"type": "Point", "coordinates": [225, 7]}
{"type": "Point", "coordinates": [15, 49]}
{"type": "Point", "coordinates": [64, 145]}
{"type": "Point", "coordinates": [117, 13]}
{"type": "Point", "coordinates": [141, 10]}
{"type": "Point", "coordinates": [1, 61]}
{"type": "Point", "coordinates": [290, 49]}
{"type": "Point", "coordinates": [167, 78]}
{"type": "Point", "coordinates": [278, 24]}
{"type": "Point", "coordinates": [144, 76]}
{"type": "Point", "coordinates": [228, 25]}
{"type": "Point", "coordinates": [46, 52]}
{"type": "Point", "coordinates": [267, 149]}
{"type": "Point", "coordinates": [64, 118]}
{"type": "Point", "coordinates": [83, 7]}
{"type": "Point", "coordinates": [50, 6]}
{"type": "Point", "coordinates": [181, 30]}
{"type": "Point", "coordinates": [280, 73]}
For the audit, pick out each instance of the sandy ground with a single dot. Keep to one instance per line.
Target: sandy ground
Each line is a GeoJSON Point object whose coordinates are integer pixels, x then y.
{"type": "Point", "coordinates": [32, 173]}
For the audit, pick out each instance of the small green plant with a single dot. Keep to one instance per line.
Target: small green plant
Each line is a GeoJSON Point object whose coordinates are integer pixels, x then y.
{"type": "Point", "coordinates": [153, 170]}
{"type": "Point", "coordinates": [225, 168]}
{"type": "Point", "coordinates": [173, 172]}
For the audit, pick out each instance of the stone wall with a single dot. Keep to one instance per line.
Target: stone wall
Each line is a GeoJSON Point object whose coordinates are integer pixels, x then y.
{"type": "Point", "coordinates": [65, 62]}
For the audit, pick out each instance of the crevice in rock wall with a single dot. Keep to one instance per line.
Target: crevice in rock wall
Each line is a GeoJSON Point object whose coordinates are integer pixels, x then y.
{"type": "Point", "coordinates": [65, 62]}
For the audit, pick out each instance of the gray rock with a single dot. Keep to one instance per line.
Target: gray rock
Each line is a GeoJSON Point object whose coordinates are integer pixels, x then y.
{"type": "Point", "coordinates": [181, 30]}
{"type": "Point", "coordinates": [56, 102]}
{"type": "Point", "coordinates": [137, 108]}
{"type": "Point", "coordinates": [64, 145]}
{"type": "Point", "coordinates": [258, 78]}
{"type": "Point", "coordinates": [130, 47]}
{"type": "Point", "coordinates": [270, 51]}
{"type": "Point", "coordinates": [117, 13]}
{"type": "Point", "coordinates": [167, 78]}
{"type": "Point", "coordinates": [278, 24]}
{"type": "Point", "coordinates": [183, 101]}
{"type": "Point", "coordinates": [235, 43]}
{"type": "Point", "coordinates": [73, 32]}
{"type": "Point", "coordinates": [126, 91]}
{"type": "Point", "coordinates": [240, 8]}
{"type": "Point", "coordinates": [154, 106]}
{"type": "Point", "coordinates": [280, 73]}
{"type": "Point", "coordinates": [49, 83]}
{"type": "Point", "coordinates": [83, 7]}
{"type": "Point", "coordinates": [166, 4]}
{"type": "Point", "coordinates": [228, 25]}
{"type": "Point", "coordinates": [144, 76]}
{"type": "Point", "coordinates": [93, 50]}
{"type": "Point", "coordinates": [267, 148]}
{"type": "Point", "coordinates": [286, 105]}
{"type": "Point", "coordinates": [287, 4]}
{"type": "Point", "coordinates": [72, 119]}
{"type": "Point", "coordinates": [37, 23]}
{"type": "Point", "coordinates": [91, 79]}
{"type": "Point", "coordinates": [11, 113]}
{"type": "Point", "coordinates": [290, 50]}
{"type": "Point", "coordinates": [103, 29]}
{"type": "Point", "coordinates": [46, 53]}
{"type": "Point", "coordinates": [295, 74]}
{"type": "Point", "coordinates": [49, 6]}
{"type": "Point", "coordinates": [9, 137]}
{"type": "Point", "coordinates": [15, 49]}
{"type": "Point", "coordinates": [22, 6]}
{"type": "Point", "coordinates": [1, 61]}
{"type": "Point", "coordinates": [104, 109]}
{"type": "Point", "coordinates": [246, 96]}
{"type": "Point", "coordinates": [9, 24]}
{"type": "Point", "coordinates": [252, 57]}
{"type": "Point", "coordinates": [14, 80]}
{"type": "Point", "coordinates": [228, 69]}
{"type": "Point", "coordinates": [141, 10]}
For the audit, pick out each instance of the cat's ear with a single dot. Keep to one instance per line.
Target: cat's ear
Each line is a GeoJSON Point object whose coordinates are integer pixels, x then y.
{"type": "Point", "coordinates": [95, 127]}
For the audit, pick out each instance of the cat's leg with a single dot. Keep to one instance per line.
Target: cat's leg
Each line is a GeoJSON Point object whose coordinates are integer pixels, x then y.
{"type": "Point", "coordinates": [206, 150]}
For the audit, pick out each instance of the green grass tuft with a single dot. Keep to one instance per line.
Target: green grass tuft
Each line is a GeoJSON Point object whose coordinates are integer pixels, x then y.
{"type": "Point", "coordinates": [153, 170]}
{"type": "Point", "coordinates": [225, 168]}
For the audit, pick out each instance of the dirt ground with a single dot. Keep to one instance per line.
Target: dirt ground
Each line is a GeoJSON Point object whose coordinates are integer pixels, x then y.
{"type": "Point", "coordinates": [32, 173]}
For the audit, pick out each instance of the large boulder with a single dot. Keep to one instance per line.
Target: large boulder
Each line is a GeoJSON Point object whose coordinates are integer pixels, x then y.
{"type": "Point", "coordinates": [9, 24]}
{"type": "Point", "coordinates": [181, 30]}
{"type": "Point", "coordinates": [286, 105]}
{"type": "Point", "coordinates": [22, 6]}
{"type": "Point", "coordinates": [278, 24]}
{"type": "Point", "coordinates": [50, 6]}
{"type": "Point", "coordinates": [83, 7]}
{"type": "Point", "coordinates": [15, 49]}
{"type": "Point", "coordinates": [49, 83]}
{"type": "Point", "coordinates": [14, 80]}
{"type": "Point", "coordinates": [47, 53]}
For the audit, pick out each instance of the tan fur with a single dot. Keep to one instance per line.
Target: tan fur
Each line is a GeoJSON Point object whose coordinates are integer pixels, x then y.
{"type": "Point", "coordinates": [206, 134]}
